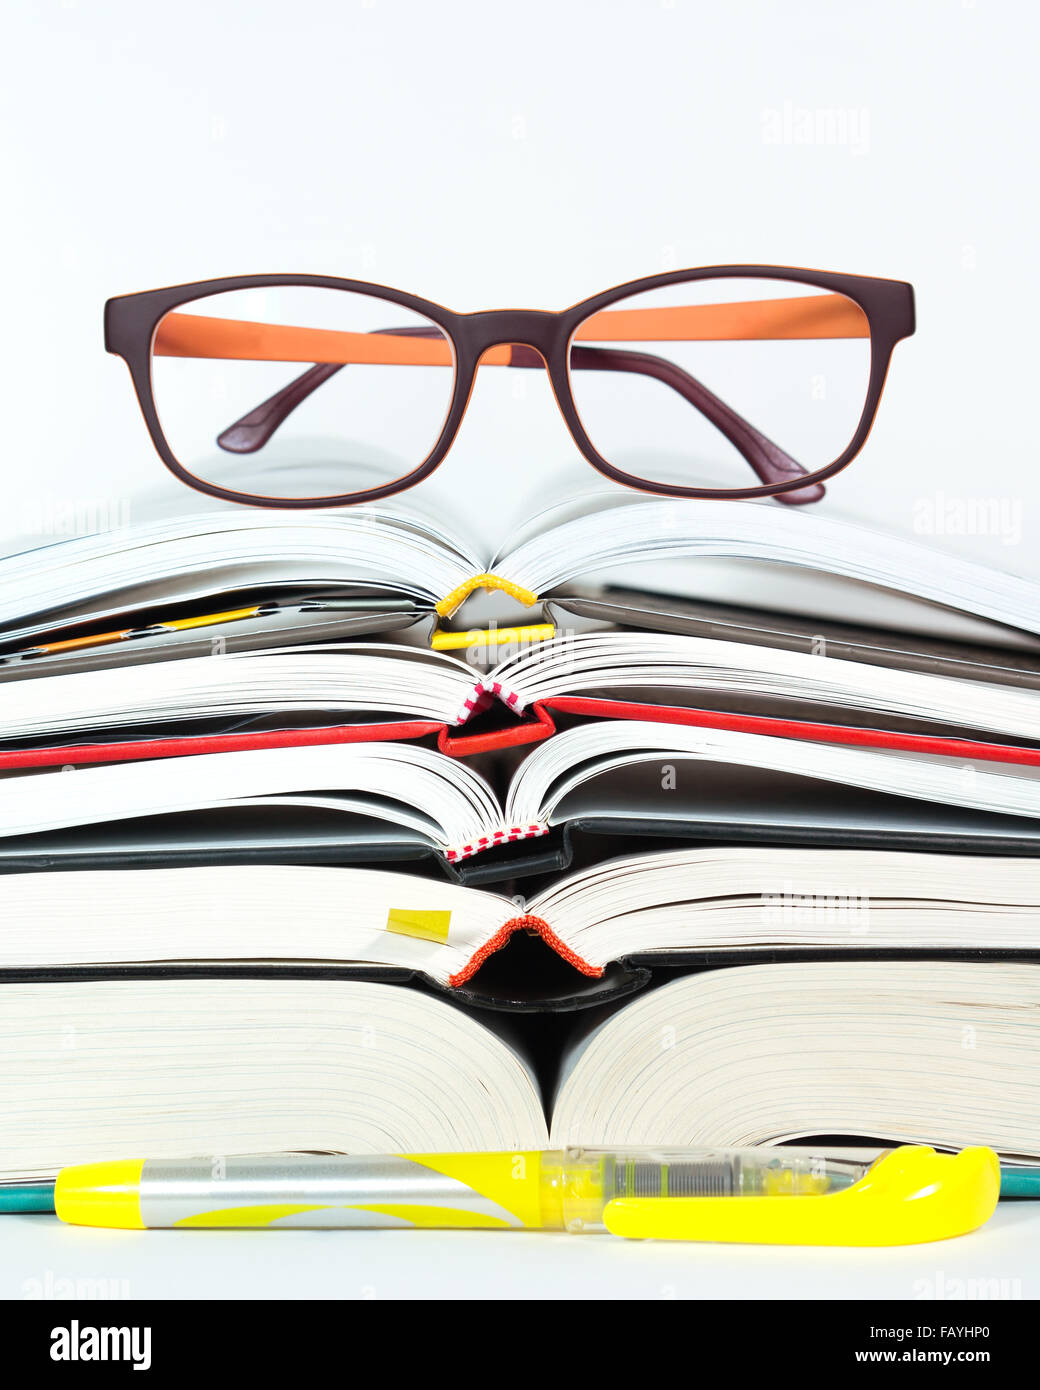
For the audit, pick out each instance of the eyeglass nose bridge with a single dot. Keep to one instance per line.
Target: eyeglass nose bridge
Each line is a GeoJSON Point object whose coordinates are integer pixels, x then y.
{"type": "Point", "coordinates": [522, 329]}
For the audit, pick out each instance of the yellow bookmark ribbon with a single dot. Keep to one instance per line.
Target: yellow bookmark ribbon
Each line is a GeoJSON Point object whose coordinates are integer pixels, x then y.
{"type": "Point", "coordinates": [446, 641]}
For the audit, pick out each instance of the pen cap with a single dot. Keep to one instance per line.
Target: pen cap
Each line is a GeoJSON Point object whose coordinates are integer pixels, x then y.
{"type": "Point", "coordinates": [908, 1196]}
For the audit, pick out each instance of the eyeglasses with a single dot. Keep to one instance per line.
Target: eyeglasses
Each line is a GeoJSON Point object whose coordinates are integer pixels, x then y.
{"type": "Point", "coordinates": [676, 384]}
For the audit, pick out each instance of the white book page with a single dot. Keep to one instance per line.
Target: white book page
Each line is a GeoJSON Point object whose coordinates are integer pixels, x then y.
{"type": "Point", "coordinates": [642, 532]}
{"type": "Point", "coordinates": [270, 912]}
{"type": "Point", "coordinates": [751, 895]}
{"type": "Point", "coordinates": [721, 1058]}
{"type": "Point", "coordinates": [265, 831]}
{"type": "Point", "coordinates": [578, 756]}
{"type": "Point", "coordinates": [398, 782]}
{"type": "Point", "coordinates": [339, 680]}
{"type": "Point", "coordinates": [629, 662]}
{"type": "Point", "coordinates": [174, 1068]}
{"type": "Point", "coordinates": [205, 554]}
{"type": "Point", "coordinates": [715, 800]}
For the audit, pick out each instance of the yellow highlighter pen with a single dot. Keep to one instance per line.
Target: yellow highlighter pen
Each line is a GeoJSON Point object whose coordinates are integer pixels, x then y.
{"type": "Point", "coordinates": [763, 1195]}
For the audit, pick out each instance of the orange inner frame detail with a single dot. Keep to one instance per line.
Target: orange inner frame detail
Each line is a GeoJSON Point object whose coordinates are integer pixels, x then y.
{"type": "Point", "coordinates": [193, 335]}
{"type": "Point", "coordinates": [805, 316]}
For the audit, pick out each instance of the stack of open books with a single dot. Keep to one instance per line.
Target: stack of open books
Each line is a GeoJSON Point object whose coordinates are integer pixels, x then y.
{"type": "Point", "coordinates": [299, 849]}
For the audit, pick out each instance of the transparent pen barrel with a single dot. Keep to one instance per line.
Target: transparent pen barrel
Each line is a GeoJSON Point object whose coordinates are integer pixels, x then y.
{"type": "Point", "coordinates": [587, 1179]}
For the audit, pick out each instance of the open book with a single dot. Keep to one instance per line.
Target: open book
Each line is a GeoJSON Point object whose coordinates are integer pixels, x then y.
{"type": "Point", "coordinates": [677, 905]}
{"type": "Point", "coordinates": [647, 778]}
{"type": "Point", "coordinates": [934, 1052]}
{"type": "Point", "coordinates": [119, 586]}
{"type": "Point", "coordinates": [287, 696]}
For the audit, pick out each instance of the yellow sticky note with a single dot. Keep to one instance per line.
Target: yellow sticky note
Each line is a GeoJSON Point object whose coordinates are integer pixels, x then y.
{"type": "Point", "coordinates": [416, 921]}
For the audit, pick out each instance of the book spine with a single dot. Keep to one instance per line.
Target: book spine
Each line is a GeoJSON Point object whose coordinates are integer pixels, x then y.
{"type": "Point", "coordinates": [467, 745]}
{"type": "Point", "coordinates": [497, 837]}
{"type": "Point", "coordinates": [529, 923]}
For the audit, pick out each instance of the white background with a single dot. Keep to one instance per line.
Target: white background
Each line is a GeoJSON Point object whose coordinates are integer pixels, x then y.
{"type": "Point", "coordinates": [487, 155]}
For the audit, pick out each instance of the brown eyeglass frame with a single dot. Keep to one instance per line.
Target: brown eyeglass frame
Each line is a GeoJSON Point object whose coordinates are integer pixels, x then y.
{"type": "Point", "coordinates": [534, 338]}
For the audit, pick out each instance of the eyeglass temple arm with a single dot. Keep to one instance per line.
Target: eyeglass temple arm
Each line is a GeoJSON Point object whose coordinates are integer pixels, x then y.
{"type": "Point", "coordinates": [769, 462]}
{"type": "Point", "coordinates": [251, 432]}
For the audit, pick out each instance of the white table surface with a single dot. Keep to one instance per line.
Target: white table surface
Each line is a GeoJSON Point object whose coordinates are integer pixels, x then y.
{"type": "Point", "coordinates": [39, 1256]}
